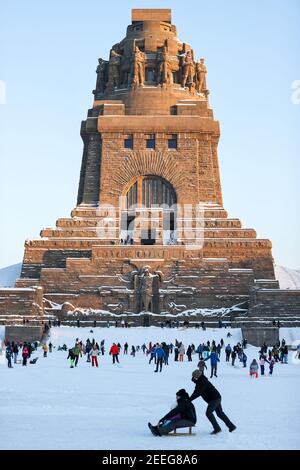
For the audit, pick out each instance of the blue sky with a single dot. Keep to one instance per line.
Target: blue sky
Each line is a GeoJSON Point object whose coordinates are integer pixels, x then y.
{"type": "Point", "coordinates": [48, 57]}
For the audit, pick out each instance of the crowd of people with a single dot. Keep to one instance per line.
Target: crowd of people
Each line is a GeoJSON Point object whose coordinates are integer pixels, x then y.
{"type": "Point", "coordinates": [159, 353]}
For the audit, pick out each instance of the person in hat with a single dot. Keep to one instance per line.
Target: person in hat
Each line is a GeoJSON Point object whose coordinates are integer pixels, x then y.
{"type": "Point", "coordinates": [182, 416]}
{"type": "Point", "coordinates": [205, 389]}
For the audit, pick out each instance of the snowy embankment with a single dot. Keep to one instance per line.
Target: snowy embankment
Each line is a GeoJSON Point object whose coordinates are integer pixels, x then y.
{"type": "Point", "coordinates": [9, 275]}
{"type": "Point", "coordinates": [288, 278]}
{"type": "Point", "coordinates": [291, 335]}
{"type": "Point", "coordinates": [50, 406]}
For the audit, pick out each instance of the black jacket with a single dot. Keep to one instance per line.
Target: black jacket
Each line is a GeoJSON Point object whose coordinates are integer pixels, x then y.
{"type": "Point", "coordinates": [185, 409]}
{"type": "Point", "coordinates": [205, 389]}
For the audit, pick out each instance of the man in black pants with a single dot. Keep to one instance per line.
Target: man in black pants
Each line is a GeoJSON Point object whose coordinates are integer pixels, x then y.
{"type": "Point", "coordinates": [211, 395]}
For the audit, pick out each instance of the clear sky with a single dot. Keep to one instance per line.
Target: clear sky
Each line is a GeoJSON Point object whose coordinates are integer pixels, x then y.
{"type": "Point", "coordinates": [48, 57]}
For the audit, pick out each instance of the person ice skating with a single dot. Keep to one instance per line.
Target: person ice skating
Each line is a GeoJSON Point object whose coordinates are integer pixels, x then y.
{"type": "Point", "coordinates": [126, 348]}
{"type": "Point", "coordinates": [298, 351]}
{"type": "Point", "coordinates": [152, 354]}
{"type": "Point", "coordinates": [244, 359]}
{"type": "Point", "coordinates": [219, 348]}
{"type": "Point", "coordinates": [271, 366]}
{"type": "Point", "coordinates": [95, 353]}
{"type": "Point", "coordinates": [285, 354]}
{"type": "Point", "coordinates": [199, 351]}
{"type": "Point", "coordinates": [8, 355]}
{"type": "Point", "coordinates": [189, 353]}
{"type": "Point", "coordinates": [233, 357]}
{"type": "Point", "coordinates": [133, 350]}
{"type": "Point", "coordinates": [213, 363]}
{"type": "Point", "coordinates": [206, 390]}
{"type": "Point", "coordinates": [45, 349]}
{"type": "Point", "coordinates": [182, 416]}
{"type": "Point", "coordinates": [262, 361]}
{"type": "Point", "coordinates": [77, 352]}
{"type": "Point", "coordinates": [72, 357]}
{"type": "Point", "coordinates": [254, 369]}
{"type": "Point", "coordinates": [160, 356]}
{"type": "Point", "coordinates": [201, 365]}
{"type": "Point", "coordinates": [176, 354]}
{"type": "Point", "coordinates": [102, 347]}
{"type": "Point", "coordinates": [15, 352]}
{"type": "Point", "coordinates": [50, 347]}
{"type": "Point", "coordinates": [275, 354]}
{"type": "Point", "coordinates": [114, 352]}
{"type": "Point", "coordinates": [167, 352]}
{"type": "Point", "coordinates": [88, 350]}
{"type": "Point", "coordinates": [25, 354]}
{"type": "Point", "coordinates": [181, 350]}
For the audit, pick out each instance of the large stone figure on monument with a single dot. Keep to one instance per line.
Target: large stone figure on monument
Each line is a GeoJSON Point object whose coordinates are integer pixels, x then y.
{"type": "Point", "coordinates": [114, 70]}
{"type": "Point", "coordinates": [101, 78]}
{"type": "Point", "coordinates": [201, 76]}
{"type": "Point", "coordinates": [146, 289]}
{"type": "Point", "coordinates": [165, 69]}
{"type": "Point", "coordinates": [188, 69]}
{"type": "Point", "coordinates": [138, 65]}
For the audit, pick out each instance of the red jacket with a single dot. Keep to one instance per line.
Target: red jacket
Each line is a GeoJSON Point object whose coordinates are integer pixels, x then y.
{"type": "Point", "coordinates": [114, 349]}
{"type": "Point", "coordinates": [25, 352]}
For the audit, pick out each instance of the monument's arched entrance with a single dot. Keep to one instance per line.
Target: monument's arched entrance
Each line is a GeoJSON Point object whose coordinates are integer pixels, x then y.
{"type": "Point", "coordinates": [149, 213]}
{"type": "Point", "coordinates": [150, 191]}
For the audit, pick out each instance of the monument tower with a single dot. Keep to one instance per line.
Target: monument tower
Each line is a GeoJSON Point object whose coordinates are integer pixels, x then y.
{"type": "Point", "coordinates": [149, 231]}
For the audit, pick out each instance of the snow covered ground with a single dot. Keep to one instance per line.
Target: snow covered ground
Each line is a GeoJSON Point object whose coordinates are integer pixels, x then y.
{"type": "Point", "coordinates": [50, 406]}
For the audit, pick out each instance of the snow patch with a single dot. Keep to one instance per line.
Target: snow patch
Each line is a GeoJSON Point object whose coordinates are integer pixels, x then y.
{"type": "Point", "coordinates": [9, 275]}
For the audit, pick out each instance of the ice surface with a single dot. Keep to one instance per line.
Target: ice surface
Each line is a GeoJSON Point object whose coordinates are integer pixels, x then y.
{"type": "Point", "coordinates": [50, 406]}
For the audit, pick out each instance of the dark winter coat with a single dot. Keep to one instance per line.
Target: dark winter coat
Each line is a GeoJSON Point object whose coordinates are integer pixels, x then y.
{"type": "Point", "coordinates": [205, 389]}
{"type": "Point", "coordinates": [185, 409]}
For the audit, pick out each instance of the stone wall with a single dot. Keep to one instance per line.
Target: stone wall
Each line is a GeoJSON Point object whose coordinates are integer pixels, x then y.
{"type": "Point", "coordinates": [259, 335]}
{"type": "Point", "coordinates": [23, 333]}
{"type": "Point", "coordinates": [274, 302]}
{"type": "Point", "coordinates": [21, 301]}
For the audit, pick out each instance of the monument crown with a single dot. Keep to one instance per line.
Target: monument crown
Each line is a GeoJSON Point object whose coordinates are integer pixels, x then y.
{"type": "Point", "coordinates": [151, 14]}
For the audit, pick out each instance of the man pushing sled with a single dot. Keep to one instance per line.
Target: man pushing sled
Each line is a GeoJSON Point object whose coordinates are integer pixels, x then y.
{"type": "Point", "coordinates": [184, 414]}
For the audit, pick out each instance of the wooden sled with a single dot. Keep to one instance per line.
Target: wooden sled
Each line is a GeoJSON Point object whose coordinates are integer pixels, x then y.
{"type": "Point", "coordinates": [181, 433]}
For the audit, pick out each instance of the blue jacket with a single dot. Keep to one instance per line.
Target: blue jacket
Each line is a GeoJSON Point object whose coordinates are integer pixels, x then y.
{"type": "Point", "coordinates": [213, 358]}
{"type": "Point", "coordinates": [160, 353]}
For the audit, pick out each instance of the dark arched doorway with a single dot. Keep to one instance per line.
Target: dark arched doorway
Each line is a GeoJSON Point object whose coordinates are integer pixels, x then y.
{"type": "Point", "coordinates": [149, 192]}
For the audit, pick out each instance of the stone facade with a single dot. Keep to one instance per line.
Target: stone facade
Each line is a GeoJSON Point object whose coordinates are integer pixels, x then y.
{"type": "Point", "coordinates": [150, 138]}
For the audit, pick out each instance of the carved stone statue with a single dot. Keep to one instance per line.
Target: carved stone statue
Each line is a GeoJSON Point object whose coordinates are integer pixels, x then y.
{"type": "Point", "coordinates": [165, 69]}
{"type": "Point", "coordinates": [138, 73]}
{"type": "Point", "coordinates": [146, 289]}
{"type": "Point", "coordinates": [100, 85]}
{"type": "Point", "coordinates": [114, 70]}
{"type": "Point", "coordinates": [188, 69]}
{"type": "Point", "coordinates": [201, 76]}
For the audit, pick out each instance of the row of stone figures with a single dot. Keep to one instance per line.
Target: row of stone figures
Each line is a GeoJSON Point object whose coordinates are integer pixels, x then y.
{"type": "Point", "coordinates": [109, 76]}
